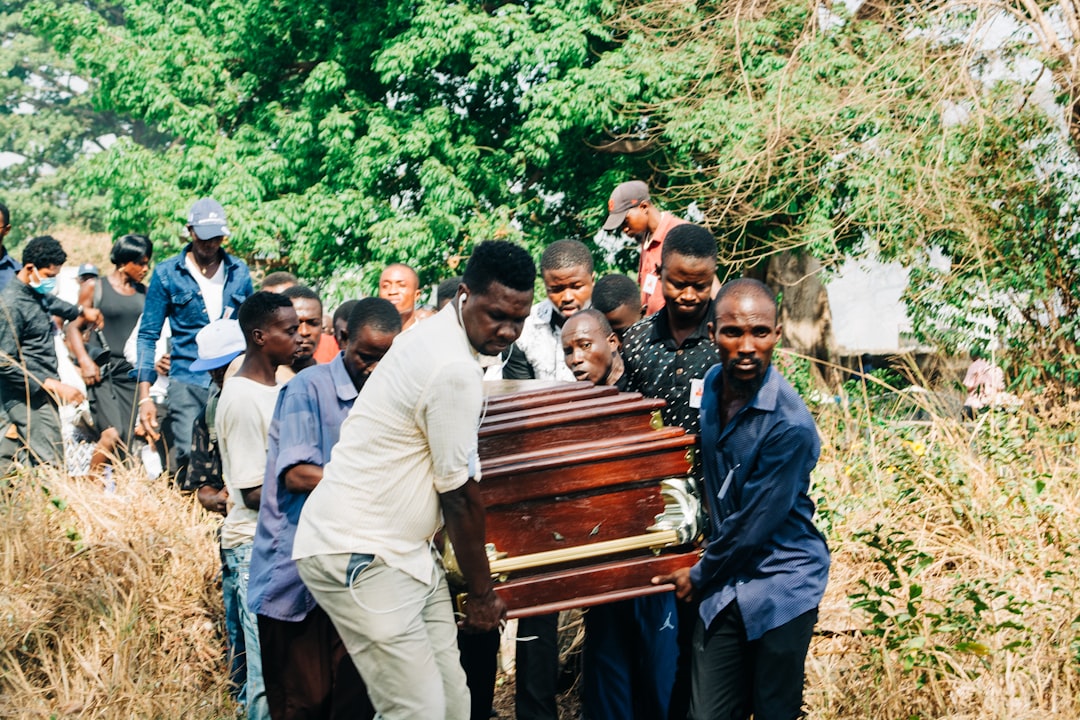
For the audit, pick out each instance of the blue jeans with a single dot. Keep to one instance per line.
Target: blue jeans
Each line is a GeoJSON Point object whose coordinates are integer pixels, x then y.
{"type": "Point", "coordinates": [237, 564]}
{"type": "Point", "coordinates": [186, 402]}
{"type": "Point", "coordinates": [234, 631]}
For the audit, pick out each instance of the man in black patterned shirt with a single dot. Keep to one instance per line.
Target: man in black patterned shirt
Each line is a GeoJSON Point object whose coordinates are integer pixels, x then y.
{"type": "Point", "coordinates": [666, 356]}
{"type": "Point", "coordinates": [668, 353]}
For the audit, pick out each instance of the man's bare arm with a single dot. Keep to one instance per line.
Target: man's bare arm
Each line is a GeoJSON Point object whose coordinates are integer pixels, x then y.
{"type": "Point", "coordinates": [302, 477]}
{"type": "Point", "coordinates": [463, 511]}
{"type": "Point", "coordinates": [252, 497]}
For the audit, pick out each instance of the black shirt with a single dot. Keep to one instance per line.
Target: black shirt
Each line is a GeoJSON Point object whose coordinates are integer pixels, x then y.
{"type": "Point", "coordinates": [27, 349]}
{"type": "Point", "coordinates": [658, 368]}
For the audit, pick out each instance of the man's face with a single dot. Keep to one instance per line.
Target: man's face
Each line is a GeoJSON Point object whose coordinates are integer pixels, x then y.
{"type": "Point", "coordinates": [622, 317]}
{"type": "Point", "coordinates": [309, 313]}
{"type": "Point", "coordinates": [205, 251]}
{"type": "Point", "coordinates": [399, 285]}
{"type": "Point", "coordinates": [280, 337]}
{"type": "Point", "coordinates": [687, 285]}
{"type": "Point", "coordinates": [745, 331]}
{"type": "Point", "coordinates": [364, 352]}
{"type": "Point", "coordinates": [37, 274]}
{"type": "Point", "coordinates": [493, 319]}
{"type": "Point", "coordinates": [5, 227]}
{"type": "Point", "coordinates": [569, 289]}
{"type": "Point", "coordinates": [636, 222]}
{"type": "Point", "coordinates": [588, 352]}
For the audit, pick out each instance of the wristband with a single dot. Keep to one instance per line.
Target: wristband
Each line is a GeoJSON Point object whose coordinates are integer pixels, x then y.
{"type": "Point", "coordinates": [146, 399]}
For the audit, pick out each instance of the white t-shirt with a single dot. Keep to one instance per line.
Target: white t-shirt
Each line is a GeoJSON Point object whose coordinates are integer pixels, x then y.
{"type": "Point", "coordinates": [212, 288]}
{"type": "Point", "coordinates": [411, 435]}
{"type": "Point", "coordinates": [243, 420]}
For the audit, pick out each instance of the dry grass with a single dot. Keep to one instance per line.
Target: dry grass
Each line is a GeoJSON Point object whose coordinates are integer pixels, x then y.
{"type": "Point", "coordinates": [109, 608]}
{"type": "Point", "coordinates": [85, 247]}
{"type": "Point", "coordinates": [972, 587]}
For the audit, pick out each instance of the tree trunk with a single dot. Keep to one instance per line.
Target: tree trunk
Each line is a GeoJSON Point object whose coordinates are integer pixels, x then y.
{"type": "Point", "coordinates": [804, 309]}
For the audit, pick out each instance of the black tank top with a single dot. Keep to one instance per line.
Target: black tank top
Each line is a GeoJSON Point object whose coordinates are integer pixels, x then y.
{"type": "Point", "coordinates": [120, 312]}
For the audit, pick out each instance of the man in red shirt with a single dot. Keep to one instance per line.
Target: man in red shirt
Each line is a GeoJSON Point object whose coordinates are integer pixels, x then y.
{"type": "Point", "coordinates": [631, 211]}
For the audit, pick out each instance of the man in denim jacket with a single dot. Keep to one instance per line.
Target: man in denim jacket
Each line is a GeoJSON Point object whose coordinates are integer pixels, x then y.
{"type": "Point", "coordinates": [201, 284]}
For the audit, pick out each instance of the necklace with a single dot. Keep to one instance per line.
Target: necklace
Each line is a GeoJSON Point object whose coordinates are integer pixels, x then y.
{"type": "Point", "coordinates": [207, 270]}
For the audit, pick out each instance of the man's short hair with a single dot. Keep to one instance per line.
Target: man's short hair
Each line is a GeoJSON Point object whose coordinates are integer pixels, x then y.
{"type": "Point", "coordinates": [601, 319]}
{"type": "Point", "coordinates": [344, 310]}
{"type": "Point", "coordinates": [563, 254]}
{"type": "Point", "coordinates": [279, 277]}
{"type": "Point", "coordinates": [502, 262]}
{"type": "Point", "coordinates": [376, 313]}
{"type": "Point", "coordinates": [446, 290]}
{"type": "Point", "coordinates": [131, 248]}
{"type": "Point", "coordinates": [303, 292]}
{"type": "Point", "coordinates": [412, 271]}
{"type": "Point", "coordinates": [6, 213]}
{"type": "Point", "coordinates": [614, 291]}
{"type": "Point", "coordinates": [44, 251]}
{"type": "Point", "coordinates": [743, 287]}
{"type": "Point", "coordinates": [258, 311]}
{"type": "Point", "coordinates": [689, 240]}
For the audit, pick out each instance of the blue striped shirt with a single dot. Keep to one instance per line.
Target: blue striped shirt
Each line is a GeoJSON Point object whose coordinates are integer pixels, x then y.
{"type": "Point", "coordinates": [306, 426]}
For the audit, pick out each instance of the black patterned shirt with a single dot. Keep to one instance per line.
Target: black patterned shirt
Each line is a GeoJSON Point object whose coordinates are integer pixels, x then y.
{"type": "Point", "coordinates": [658, 368]}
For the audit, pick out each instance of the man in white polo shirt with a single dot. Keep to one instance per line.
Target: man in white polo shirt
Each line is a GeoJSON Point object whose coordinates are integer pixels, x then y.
{"type": "Point", "coordinates": [406, 463]}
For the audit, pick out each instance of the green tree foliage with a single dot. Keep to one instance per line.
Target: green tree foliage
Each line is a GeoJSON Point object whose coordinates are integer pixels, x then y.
{"type": "Point", "coordinates": [796, 127]}
{"type": "Point", "coordinates": [46, 123]}
{"type": "Point", "coordinates": [407, 131]}
{"type": "Point", "coordinates": [341, 136]}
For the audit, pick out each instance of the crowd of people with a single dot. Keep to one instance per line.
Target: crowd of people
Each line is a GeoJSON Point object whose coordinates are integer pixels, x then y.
{"type": "Point", "coordinates": [341, 448]}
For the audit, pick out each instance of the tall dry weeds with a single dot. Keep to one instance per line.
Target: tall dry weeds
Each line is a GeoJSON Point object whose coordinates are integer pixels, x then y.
{"type": "Point", "coordinates": [108, 603]}
{"type": "Point", "coordinates": [953, 591]}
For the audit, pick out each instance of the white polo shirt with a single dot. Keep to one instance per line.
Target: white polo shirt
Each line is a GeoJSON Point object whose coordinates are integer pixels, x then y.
{"type": "Point", "coordinates": [409, 437]}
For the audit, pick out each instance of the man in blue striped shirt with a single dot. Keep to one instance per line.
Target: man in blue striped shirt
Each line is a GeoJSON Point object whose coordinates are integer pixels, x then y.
{"type": "Point", "coordinates": [765, 567]}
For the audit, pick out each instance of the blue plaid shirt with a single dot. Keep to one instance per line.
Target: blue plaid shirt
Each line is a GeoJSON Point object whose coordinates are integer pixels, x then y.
{"type": "Point", "coordinates": [306, 425]}
{"type": "Point", "coordinates": [764, 550]}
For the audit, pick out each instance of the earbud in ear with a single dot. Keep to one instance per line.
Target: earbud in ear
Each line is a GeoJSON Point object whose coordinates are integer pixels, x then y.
{"type": "Point", "coordinates": [462, 298]}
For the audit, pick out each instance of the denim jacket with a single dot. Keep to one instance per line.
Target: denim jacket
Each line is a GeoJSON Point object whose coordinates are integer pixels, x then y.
{"type": "Point", "coordinates": [174, 295]}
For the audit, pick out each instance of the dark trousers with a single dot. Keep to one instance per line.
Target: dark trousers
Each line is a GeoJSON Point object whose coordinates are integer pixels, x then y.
{"type": "Point", "coordinates": [629, 660]}
{"type": "Point", "coordinates": [680, 694]}
{"type": "Point", "coordinates": [186, 402]}
{"type": "Point", "coordinates": [308, 672]}
{"type": "Point", "coordinates": [38, 424]}
{"type": "Point", "coordinates": [537, 674]}
{"type": "Point", "coordinates": [480, 661]}
{"type": "Point", "coordinates": [734, 678]}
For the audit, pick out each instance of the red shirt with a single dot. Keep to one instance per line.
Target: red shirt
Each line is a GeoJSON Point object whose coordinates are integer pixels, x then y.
{"type": "Point", "coordinates": [649, 266]}
{"type": "Point", "coordinates": [327, 349]}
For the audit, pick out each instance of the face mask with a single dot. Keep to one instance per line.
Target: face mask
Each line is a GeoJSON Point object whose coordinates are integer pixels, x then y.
{"type": "Point", "coordinates": [45, 286]}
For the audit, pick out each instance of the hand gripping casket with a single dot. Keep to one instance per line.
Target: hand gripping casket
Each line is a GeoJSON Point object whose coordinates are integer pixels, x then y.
{"type": "Point", "coordinates": [587, 495]}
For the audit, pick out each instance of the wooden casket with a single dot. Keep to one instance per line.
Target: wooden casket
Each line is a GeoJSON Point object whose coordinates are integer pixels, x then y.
{"type": "Point", "coordinates": [587, 495]}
